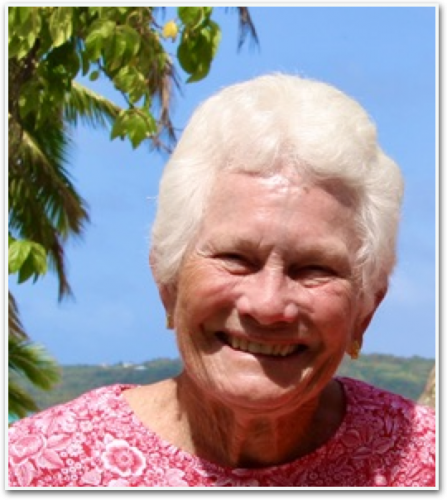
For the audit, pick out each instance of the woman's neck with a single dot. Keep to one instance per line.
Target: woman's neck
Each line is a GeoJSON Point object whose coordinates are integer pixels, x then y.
{"type": "Point", "coordinates": [237, 437]}
{"type": "Point", "coordinates": [179, 413]}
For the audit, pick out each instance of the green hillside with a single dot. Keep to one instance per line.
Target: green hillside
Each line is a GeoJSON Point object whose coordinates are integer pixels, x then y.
{"type": "Point", "coordinates": [405, 376]}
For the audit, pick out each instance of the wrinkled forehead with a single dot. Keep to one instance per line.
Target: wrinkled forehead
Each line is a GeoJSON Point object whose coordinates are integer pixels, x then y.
{"type": "Point", "coordinates": [239, 192]}
{"type": "Point", "coordinates": [284, 174]}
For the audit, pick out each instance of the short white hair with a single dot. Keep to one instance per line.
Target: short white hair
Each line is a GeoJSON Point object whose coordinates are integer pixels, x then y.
{"type": "Point", "coordinates": [261, 125]}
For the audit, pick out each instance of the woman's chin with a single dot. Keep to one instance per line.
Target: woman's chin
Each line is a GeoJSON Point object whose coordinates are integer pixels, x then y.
{"type": "Point", "coordinates": [256, 397]}
{"type": "Point", "coordinates": [251, 389]}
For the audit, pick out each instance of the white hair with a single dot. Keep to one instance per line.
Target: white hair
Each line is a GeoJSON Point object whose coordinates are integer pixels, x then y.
{"type": "Point", "coordinates": [261, 125]}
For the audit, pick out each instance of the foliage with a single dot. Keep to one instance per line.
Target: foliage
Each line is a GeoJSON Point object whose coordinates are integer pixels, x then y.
{"type": "Point", "coordinates": [49, 47]}
{"type": "Point", "coordinates": [405, 376]}
{"type": "Point", "coordinates": [27, 362]}
{"type": "Point", "coordinates": [49, 50]}
{"type": "Point", "coordinates": [27, 258]}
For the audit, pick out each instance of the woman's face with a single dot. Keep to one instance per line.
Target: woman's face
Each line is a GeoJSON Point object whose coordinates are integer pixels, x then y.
{"type": "Point", "coordinates": [266, 302]}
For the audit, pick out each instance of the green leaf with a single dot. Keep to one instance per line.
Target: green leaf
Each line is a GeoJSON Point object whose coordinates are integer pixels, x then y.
{"type": "Point", "coordinates": [61, 25]}
{"type": "Point", "coordinates": [207, 11]}
{"type": "Point", "coordinates": [131, 81]}
{"type": "Point", "coordinates": [124, 79]}
{"type": "Point", "coordinates": [206, 50]}
{"type": "Point", "coordinates": [13, 19]}
{"type": "Point", "coordinates": [85, 62]}
{"type": "Point", "coordinates": [93, 45]}
{"type": "Point", "coordinates": [62, 64]}
{"type": "Point", "coordinates": [27, 258]}
{"type": "Point", "coordinates": [23, 20]}
{"type": "Point", "coordinates": [36, 24]}
{"type": "Point", "coordinates": [24, 13]}
{"type": "Point", "coordinates": [138, 90]}
{"type": "Point", "coordinates": [15, 45]}
{"type": "Point", "coordinates": [216, 36]}
{"type": "Point", "coordinates": [191, 16]}
{"type": "Point", "coordinates": [95, 10]}
{"type": "Point", "coordinates": [119, 127]}
{"type": "Point", "coordinates": [98, 36]}
{"type": "Point", "coordinates": [114, 57]}
{"type": "Point", "coordinates": [201, 72]}
{"type": "Point", "coordinates": [34, 265]}
{"type": "Point", "coordinates": [138, 129]}
{"type": "Point", "coordinates": [132, 38]}
{"type": "Point", "coordinates": [94, 75]}
{"type": "Point", "coordinates": [197, 50]}
{"type": "Point", "coordinates": [31, 38]}
{"type": "Point", "coordinates": [151, 124]}
{"type": "Point", "coordinates": [39, 258]}
{"type": "Point", "coordinates": [106, 28]}
{"type": "Point", "coordinates": [121, 48]}
{"type": "Point", "coordinates": [23, 50]}
{"type": "Point", "coordinates": [18, 251]}
{"type": "Point", "coordinates": [26, 271]}
{"type": "Point", "coordinates": [136, 124]}
{"type": "Point", "coordinates": [186, 55]}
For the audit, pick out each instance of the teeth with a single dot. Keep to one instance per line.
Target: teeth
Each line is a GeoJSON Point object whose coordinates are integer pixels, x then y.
{"type": "Point", "coordinates": [256, 348]}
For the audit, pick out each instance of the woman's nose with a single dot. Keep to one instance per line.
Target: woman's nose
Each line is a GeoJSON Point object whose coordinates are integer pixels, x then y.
{"type": "Point", "coordinates": [268, 298]}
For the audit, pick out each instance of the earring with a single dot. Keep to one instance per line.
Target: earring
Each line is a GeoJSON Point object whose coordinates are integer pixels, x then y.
{"type": "Point", "coordinates": [169, 324]}
{"type": "Point", "coordinates": [355, 349]}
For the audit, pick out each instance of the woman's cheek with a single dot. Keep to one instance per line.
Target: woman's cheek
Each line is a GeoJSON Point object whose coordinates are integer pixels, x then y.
{"type": "Point", "coordinates": [333, 304]}
{"type": "Point", "coordinates": [203, 288]}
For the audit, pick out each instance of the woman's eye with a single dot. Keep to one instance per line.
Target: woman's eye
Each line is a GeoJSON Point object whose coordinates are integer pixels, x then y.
{"type": "Point", "coordinates": [315, 273]}
{"type": "Point", "coordinates": [236, 261]}
{"type": "Point", "coordinates": [231, 256]}
{"type": "Point", "coordinates": [234, 257]}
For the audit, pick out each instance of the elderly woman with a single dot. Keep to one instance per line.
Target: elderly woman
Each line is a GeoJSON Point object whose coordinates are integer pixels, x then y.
{"type": "Point", "coordinates": [272, 248]}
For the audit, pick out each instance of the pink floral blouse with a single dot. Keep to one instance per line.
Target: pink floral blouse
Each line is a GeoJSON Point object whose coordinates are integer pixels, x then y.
{"type": "Point", "coordinates": [97, 441]}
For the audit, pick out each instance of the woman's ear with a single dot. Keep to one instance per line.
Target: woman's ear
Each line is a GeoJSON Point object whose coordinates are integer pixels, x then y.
{"type": "Point", "coordinates": [364, 321]}
{"type": "Point", "coordinates": [167, 292]}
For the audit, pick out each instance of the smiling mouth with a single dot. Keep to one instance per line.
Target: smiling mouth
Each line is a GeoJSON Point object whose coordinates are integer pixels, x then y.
{"type": "Point", "coordinates": [244, 345]}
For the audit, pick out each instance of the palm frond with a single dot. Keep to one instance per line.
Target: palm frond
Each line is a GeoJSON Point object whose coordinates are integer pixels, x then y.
{"type": "Point", "coordinates": [33, 224]}
{"type": "Point", "coordinates": [20, 402]}
{"type": "Point", "coordinates": [42, 170]}
{"type": "Point", "coordinates": [28, 364]}
{"type": "Point", "coordinates": [44, 206]}
{"type": "Point", "coordinates": [31, 361]}
{"type": "Point", "coordinates": [246, 27]}
{"type": "Point", "coordinates": [89, 107]}
{"type": "Point", "coordinates": [15, 326]}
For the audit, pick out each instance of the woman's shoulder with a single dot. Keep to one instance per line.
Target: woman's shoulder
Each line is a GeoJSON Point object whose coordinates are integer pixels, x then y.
{"type": "Point", "coordinates": [369, 401]}
{"type": "Point", "coordinates": [65, 416]}
{"type": "Point", "coordinates": [50, 448]}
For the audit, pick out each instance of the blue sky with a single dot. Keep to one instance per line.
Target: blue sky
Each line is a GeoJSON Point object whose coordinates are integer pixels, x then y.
{"type": "Point", "coordinates": [385, 57]}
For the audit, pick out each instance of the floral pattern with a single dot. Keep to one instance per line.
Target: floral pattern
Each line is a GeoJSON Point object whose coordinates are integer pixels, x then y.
{"type": "Point", "coordinates": [97, 441]}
